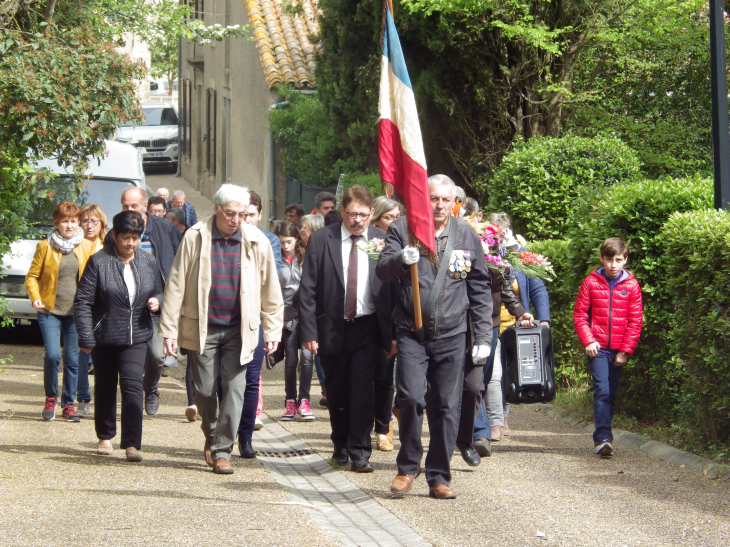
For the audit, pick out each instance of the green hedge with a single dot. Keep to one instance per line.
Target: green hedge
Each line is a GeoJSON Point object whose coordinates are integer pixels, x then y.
{"type": "Point", "coordinates": [698, 266]}
{"type": "Point", "coordinates": [539, 181]}
{"type": "Point", "coordinates": [636, 212]}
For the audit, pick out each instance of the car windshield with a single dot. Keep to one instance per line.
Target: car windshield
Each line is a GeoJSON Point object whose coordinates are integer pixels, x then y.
{"type": "Point", "coordinates": [156, 117]}
{"type": "Point", "coordinates": [105, 193]}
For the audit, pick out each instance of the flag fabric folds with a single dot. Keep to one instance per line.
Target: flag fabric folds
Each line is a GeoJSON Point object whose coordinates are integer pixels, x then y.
{"type": "Point", "coordinates": [400, 147]}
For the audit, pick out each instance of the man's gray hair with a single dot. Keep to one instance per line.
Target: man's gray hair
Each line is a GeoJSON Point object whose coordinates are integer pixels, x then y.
{"type": "Point", "coordinates": [177, 214]}
{"type": "Point", "coordinates": [163, 191]}
{"type": "Point", "coordinates": [230, 193]}
{"type": "Point", "coordinates": [315, 222]}
{"type": "Point", "coordinates": [501, 219]}
{"type": "Point", "coordinates": [178, 194]}
{"type": "Point", "coordinates": [443, 180]}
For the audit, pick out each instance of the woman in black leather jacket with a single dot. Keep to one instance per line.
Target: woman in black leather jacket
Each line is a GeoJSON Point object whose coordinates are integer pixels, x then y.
{"type": "Point", "coordinates": [119, 290]}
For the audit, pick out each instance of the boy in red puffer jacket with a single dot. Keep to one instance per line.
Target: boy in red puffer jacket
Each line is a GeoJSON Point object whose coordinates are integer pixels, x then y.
{"type": "Point", "coordinates": [608, 316]}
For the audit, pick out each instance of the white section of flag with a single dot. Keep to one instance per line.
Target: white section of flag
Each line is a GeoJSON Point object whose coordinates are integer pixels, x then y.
{"type": "Point", "coordinates": [398, 104]}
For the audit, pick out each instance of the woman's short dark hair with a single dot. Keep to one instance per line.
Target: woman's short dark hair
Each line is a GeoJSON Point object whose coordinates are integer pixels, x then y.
{"type": "Point", "coordinates": [333, 217]}
{"type": "Point", "coordinates": [128, 222]}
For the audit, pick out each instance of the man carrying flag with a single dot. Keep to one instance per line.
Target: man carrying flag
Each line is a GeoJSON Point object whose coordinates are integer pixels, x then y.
{"type": "Point", "coordinates": [447, 268]}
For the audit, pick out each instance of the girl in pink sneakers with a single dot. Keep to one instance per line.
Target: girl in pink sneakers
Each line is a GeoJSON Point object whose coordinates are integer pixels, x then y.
{"type": "Point", "coordinates": [292, 254]}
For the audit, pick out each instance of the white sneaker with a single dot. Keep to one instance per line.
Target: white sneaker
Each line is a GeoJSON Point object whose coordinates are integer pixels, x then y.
{"type": "Point", "coordinates": [258, 424]}
{"type": "Point", "coordinates": [83, 410]}
{"type": "Point", "coordinates": [191, 412]}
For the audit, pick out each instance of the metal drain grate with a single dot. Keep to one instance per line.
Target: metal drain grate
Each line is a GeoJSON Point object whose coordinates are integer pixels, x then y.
{"type": "Point", "coordinates": [286, 454]}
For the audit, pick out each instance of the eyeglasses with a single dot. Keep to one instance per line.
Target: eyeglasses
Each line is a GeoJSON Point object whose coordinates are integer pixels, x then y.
{"type": "Point", "coordinates": [89, 221]}
{"type": "Point", "coordinates": [357, 216]}
{"type": "Point", "coordinates": [232, 214]}
{"type": "Point", "coordinates": [390, 218]}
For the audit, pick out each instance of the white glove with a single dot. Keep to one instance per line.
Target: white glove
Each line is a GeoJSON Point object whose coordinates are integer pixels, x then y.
{"type": "Point", "coordinates": [479, 354]}
{"type": "Point", "coordinates": [410, 255]}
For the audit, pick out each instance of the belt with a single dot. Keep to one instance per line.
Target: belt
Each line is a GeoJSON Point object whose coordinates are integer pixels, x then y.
{"type": "Point", "coordinates": [358, 319]}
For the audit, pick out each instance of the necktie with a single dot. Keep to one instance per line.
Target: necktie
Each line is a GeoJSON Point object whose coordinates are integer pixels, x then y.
{"type": "Point", "coordinates": [351, 295]}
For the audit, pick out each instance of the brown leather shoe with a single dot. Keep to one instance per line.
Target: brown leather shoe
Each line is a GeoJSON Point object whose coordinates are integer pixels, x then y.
{"type": "Point", "coordinates": [496, 433]}
{"type": "Point", "coordinates": [505, 429]}
{"type": "Point", "coordinates": [402, 483]}
{"type": "Point", "coordinates": [441, 492]}
{"type": "Point", "coordinates": [222, 467]}
{"type": "Point", "coordinates": [208, 453]}
{"type": "Point", "coordinates": [484, 447]}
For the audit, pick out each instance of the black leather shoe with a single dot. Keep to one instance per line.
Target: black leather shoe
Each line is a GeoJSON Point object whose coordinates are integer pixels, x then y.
{"type": "Point", "coordinates": [246, 450]}
{"type": "Point", "coordinates": [469, 453]}
{"type": "Point", "coordinates": [362, 466]}
{"type": "Point", "coordinates": [340, 456]}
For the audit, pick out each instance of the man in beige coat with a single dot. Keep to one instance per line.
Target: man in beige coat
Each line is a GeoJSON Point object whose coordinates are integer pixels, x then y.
{"type": "Point", "coordinates": [222, 286]}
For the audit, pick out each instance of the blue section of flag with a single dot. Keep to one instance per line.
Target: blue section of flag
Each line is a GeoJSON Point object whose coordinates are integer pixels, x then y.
{"type": "Point", "coordinates": [393, 52]}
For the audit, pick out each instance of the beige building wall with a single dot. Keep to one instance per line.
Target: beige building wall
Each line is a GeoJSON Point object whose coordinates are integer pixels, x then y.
{"type": "Point", "coordinates": [232, 68]}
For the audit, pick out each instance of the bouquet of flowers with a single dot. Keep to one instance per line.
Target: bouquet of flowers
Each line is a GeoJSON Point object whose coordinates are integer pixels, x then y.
{"type": "Point", "coordinates": [373, 247]}
{"type": "Point", "coordinates": [501, 251]}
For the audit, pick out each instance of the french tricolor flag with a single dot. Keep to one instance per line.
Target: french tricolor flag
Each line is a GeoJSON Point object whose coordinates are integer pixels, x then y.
{"type": "Point", "coordinates": [402, 160]}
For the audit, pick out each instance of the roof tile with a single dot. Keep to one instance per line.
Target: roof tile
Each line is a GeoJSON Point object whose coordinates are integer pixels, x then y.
{"type": "Point", "coordinates": [287, 55]}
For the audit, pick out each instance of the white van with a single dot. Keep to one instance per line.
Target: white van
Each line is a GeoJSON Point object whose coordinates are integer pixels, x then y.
{"type": "Point", "coordinates": [119, 170]}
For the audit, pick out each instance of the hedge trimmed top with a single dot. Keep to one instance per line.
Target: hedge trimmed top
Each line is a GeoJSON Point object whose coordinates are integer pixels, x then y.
{"type": "Point", "coordinates": [538, 182]}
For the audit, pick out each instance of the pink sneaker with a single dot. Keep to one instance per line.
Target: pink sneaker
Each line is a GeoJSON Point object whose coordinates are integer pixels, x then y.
{"type": "Point", "coordinates": [305, 410]}
{"type": "Point", "coordinates": [291, 411]}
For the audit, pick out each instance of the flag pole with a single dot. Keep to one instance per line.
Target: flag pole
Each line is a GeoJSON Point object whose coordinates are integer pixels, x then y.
{"type": "Point", "coordinates": [418, 319]}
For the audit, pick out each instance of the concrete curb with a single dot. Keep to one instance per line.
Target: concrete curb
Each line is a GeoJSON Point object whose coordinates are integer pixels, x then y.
{"type": "Point", "coordinates": [659, 450]}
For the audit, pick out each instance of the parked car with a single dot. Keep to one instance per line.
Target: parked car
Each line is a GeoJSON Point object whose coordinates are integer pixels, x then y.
{"type": "Point", "coordinates": [119, 170]}
{"type": "Point", "coordinates": [158, 134]}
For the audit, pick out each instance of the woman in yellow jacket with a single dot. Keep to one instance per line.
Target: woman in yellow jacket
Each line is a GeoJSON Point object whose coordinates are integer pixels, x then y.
{"type": "Point", "coordinates": [94, 223]}
{"type": "Point", "coordinates": [51, 283]}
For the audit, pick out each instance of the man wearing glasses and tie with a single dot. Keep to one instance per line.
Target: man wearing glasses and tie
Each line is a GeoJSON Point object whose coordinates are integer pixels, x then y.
{"type": "Point", "coordinates": [222, 286]}
{"type": "Point", "coordinates": [346, 318]}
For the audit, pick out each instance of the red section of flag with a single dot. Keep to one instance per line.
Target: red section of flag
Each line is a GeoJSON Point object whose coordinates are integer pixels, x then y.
{"type": "Point", "coordinates": [410, 181]}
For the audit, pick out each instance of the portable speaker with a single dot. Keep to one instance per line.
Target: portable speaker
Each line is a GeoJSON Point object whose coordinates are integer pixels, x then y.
{"type": "Point", "coordinates": [528, 373]}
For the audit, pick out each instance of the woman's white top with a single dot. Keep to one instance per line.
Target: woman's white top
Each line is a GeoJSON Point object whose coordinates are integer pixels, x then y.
{"type": "Point", "coordinates": [131, 283]}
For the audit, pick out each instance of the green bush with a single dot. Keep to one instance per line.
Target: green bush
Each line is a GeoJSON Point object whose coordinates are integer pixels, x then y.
{"type": "Point", "coordinates": [698, 266]}
{"type": "Point", "coordinates": [310, 150]}
{"type": "Point", "coordinates": [570, 362]}
{"type": "Point", "coordinates": [637, 212]}
{"type": "Point", "coordinates": [539, 181]}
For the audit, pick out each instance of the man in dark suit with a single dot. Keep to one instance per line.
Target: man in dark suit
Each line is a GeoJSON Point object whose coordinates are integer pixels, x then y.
{"type": "Point", "coordinates": [345, 317]}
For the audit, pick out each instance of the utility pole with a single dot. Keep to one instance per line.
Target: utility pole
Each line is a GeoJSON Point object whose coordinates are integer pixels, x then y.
{"type": "Point", "coordinates": [720, 123]}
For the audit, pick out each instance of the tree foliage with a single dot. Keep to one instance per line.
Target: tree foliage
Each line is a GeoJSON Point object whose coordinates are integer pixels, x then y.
{"type": "Point", "coordinates": [310, 148]}
{"type": "Point", "coordinates": [487, 71]}
{"type": "Point", "coordinates": [64, 88]}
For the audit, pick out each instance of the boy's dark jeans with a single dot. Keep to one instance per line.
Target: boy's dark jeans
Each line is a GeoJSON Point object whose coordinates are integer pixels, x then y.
{"type": "Point", "coordinates": [605, 389]}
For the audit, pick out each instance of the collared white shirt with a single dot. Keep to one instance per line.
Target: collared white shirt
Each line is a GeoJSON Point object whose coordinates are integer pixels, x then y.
{"type": "Point", "coordinates": [365, 304]}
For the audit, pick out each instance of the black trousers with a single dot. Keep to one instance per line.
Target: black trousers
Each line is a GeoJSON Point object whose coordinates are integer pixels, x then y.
{"type": "Point", "coordinates": [348, 381]}
{"type": "Point", "coordinates": [123, 365]}
{"type": "Point", "coordinates": [441, 362]}
{"type": "Point", "coordinates": [471, 398]}
{"type": "Point", "coordinates": [383, 387]}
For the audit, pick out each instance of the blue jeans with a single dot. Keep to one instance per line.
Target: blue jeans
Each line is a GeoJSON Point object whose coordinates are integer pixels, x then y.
{"type": "Point", "coordinates": [482, 428]}
{"type": "Point", "coordinates": [320, 372]}
{"type": "Point", "coordinates": [51, 328]}
{"type": "Point", "coordinates": [82, 388]}
{"type": "Point", "coordinates": [251, 395]}
{"type": "Point", "coordinates": [605, 389]}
